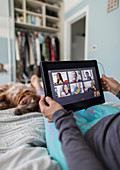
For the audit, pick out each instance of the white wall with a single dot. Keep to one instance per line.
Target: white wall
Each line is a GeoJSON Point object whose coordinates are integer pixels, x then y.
{"type": "Point", "coordinates": [69, 4]}
{"type": "Point", "coordinates": [103, 32]}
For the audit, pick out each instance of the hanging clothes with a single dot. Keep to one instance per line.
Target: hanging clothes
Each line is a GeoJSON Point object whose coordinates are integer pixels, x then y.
{"type": "Point", "coordinates": [17, 50]}
{"type": "Point", "coordinates": [38, 50]}
{"type": "Point", "coordinates": [57, 49]}
{"type": "Point", "coordinates": [48, 40]}
{"type": "Point", "coordinates": [31, 49]}
{"type": "Point", "coordinates": [52, 52]}
{"type": "Point", "coordinates": [41, 41]}
{"type": "Point", "coordinates": [31, 61]}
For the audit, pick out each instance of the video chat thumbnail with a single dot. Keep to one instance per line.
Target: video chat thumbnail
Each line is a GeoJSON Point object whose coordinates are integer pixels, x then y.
{"type": "Point", "coordinates": [74, 76]}
{"type": "Point", "coordinates": [62, 90]}
{"type": "Point", "coordinates": [87, 75]}
{"type": "Point", "coordinates": [59, 78]}
{"type": "Point", "coordinates": [76, 88]}
{"type": "Point", "coordinates": [89, 86]}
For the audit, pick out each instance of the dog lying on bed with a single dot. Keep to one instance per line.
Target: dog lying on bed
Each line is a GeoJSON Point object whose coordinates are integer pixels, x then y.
{"type": "Point", "coordinates": [17, 95]}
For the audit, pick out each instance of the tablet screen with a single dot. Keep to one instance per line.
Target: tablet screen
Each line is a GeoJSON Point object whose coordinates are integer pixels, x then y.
{"type": "Point", "coordinates": [73, 85]}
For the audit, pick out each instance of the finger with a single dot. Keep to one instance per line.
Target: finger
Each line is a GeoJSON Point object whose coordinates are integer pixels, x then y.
{"type": "Point", "coordinates": [42, 104]}
{"type": "Point", "coordinates": [48, 100]}
{"type": "Point", "coordinates": [43, 99]}
{"type": "Point", "coordinates": [104, 77]}
{"type": "Point", "coordinates": [104, 83]}
{"type": "Point", "coordinates": [106, 88]}
{"type": "Point", "coordinates": [49, 121]}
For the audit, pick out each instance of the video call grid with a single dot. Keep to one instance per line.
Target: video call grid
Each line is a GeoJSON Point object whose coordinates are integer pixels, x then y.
{"type": "Point", "coordinates": [83, 79]}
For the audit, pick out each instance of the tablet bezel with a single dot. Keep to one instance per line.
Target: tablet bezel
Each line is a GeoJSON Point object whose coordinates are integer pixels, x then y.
{"type": "Point", "coordinates": [46, 66]}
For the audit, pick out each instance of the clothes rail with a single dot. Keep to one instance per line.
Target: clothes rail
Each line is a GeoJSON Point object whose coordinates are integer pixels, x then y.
{"type": "Point", "coordinates": [32, 31]}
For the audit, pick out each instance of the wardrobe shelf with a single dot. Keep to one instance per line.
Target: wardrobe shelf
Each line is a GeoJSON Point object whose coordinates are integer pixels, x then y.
{"type": "Point", "coordinates": [19, 10]}
{"type": "Point", "coordinates": [36, 27]}
{"type": "Point", "coordinates": [52, 7]}
{"type": "Point", "coordinates": [53, 19]}
{"type": "Point", "coordinates": [34, 13]}
{"type": "Point", "coordinates": [34, 4]}
{"type": "Point", "coordinates": [18, 4]}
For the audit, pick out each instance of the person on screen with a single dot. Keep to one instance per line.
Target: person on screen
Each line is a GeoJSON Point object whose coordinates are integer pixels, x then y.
{"type": "Point", "coordinates": [74, 77]}
{"type": "Point", "coordinates": [79, 76]}
{"type": "Point", "coordinates": [59, 79]}
{"type": "Point", "coordinates": [87, 75]}
{"type": "Point", "coordinates": [99, 149]}
{"type": "Point", "coordinates": [56, 91]}
{"type": "Point", "coordinates": [92, 87]}
{"type": "Point", "coordinates": [66, 91]}
{"type": "Point", "coordinates": [77, 89]}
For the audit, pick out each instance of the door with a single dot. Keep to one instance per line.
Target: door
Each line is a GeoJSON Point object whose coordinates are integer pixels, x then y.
{"type": "Point", "coordinates": [75, 39]}
{"type": "Point", "coordinates": [78, 40]}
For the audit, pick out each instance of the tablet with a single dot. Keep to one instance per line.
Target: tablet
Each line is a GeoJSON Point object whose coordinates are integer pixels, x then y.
{"type": "Point", "coordinates": [74, 84]}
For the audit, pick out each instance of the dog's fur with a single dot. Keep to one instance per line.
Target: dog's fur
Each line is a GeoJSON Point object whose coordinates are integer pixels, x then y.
{"type": "Point", "coordinates": [17, 95]}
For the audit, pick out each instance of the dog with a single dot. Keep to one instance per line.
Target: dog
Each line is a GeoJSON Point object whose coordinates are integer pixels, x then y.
{"type": "Point", "coordinates": [20, 96]}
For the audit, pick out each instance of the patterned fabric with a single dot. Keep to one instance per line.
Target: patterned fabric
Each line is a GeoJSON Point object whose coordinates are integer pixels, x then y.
{"type": "Point", "coordinates": [40, 92]}
{"type": "Point", "coordinates": [85, 119]}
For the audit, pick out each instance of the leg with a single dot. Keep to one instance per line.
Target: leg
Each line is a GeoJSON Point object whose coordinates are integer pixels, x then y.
{"type": "Point", "coordinates": [104, 139]}
{"type": "Point", "coordinates": [2, 97]}
{"type": "Point", "coordinates": [4, 105]}
{"type": "Point", "coordinates": [35, 84]}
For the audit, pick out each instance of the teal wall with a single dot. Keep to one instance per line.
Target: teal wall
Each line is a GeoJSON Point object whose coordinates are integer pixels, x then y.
{"type": "Point", "coordinates": [3, 50]}
{"type": "Point", "coordinates": [3, 39]}
{"type": "Point", "coordinates": [104, 32]}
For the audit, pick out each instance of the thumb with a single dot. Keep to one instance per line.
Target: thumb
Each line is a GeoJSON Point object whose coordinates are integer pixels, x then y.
{"type": "Point", "coordinates": [49, 121]}
{"type": "Point", "coordinates": [104, 77]}
{"type": "Point", "coordinates": [48, 100]}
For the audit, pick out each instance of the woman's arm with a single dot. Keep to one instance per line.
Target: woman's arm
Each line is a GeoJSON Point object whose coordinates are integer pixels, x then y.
{"type": "Point", "coordinates": [111, 85]}
{"type": "Point", "coordinates": [77, 152]}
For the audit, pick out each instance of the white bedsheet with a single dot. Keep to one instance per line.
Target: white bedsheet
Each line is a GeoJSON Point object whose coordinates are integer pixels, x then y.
{"type": "Point", "coordinates": [22, 142]}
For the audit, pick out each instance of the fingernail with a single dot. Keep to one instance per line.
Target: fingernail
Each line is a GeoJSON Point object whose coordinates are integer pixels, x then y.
{"type": "Point", "coordinates": [47, 98]}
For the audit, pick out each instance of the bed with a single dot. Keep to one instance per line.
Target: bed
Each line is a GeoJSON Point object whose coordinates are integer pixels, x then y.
{"type": "Point", "coordinates": [29, 142]}
{"type": "Point", "coordinates": [23, 143]}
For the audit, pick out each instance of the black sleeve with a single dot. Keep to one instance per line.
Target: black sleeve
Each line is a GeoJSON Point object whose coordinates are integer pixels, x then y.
{"type": "Point", "coordinates": [118, 95]}
{"type": "Point", "coordinates": [77, 152]}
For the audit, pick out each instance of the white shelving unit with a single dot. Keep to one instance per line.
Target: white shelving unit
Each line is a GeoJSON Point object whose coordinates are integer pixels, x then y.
{"type": "Point", "coordinates": [36, 27]}
{"type": "Point", "coordinates": [37, 9]}
{"type": "Point", "coordinates": [27, 8]}
{"type": "Point", "coordinates": [9, 9]}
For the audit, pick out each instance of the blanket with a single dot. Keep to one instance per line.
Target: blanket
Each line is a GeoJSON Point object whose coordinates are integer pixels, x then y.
{"type": "Point", "coordinates": [85, 119]}
{"type": "Point", "coordinates": [22, 142]}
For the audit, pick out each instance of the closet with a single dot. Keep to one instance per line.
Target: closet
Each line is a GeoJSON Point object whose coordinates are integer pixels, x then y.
{"type": "Point", "coordinates": [33, 32]}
